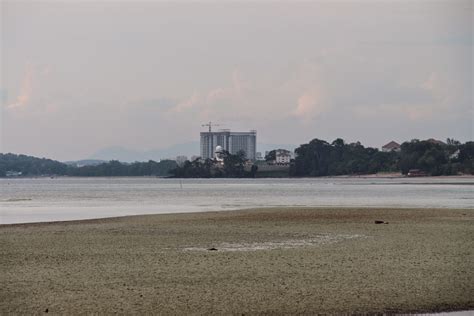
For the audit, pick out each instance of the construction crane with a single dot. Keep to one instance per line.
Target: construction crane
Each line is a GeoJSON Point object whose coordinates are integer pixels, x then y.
{"type": "Point", "coordinates": [210, 125]}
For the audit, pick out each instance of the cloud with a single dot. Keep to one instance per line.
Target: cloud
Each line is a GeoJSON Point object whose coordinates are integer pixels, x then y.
{"type": "Point", "coordinates": [32, 91]}
{"type": "Point", "coordinates": [159, 103]}
{"type": "Point", "coordinates": [433, 97]}
{"type": "Point", "coordinates": [430, 83]}
{"type": "Point", "coordinates": [216, 101]}
{"type": "Point", "coordinates": [187, 104]}
{"type": "Point", "coordinates": [3, 95]}
{"type": "Point", "coordinates": [26, 90]}
{"type": "Point", "coordinates": [310, 105]}
{"type": "Point", "coordinates": [444, 92]}
{"type": "Point", "coordinates": [236, 92]}
{"type": "Point", "coordinates": [260, 100]}
{"type": "Point", "coordinates": [413, 112]}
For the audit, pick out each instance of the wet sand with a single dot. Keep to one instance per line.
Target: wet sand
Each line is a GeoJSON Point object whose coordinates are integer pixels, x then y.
{"type": "Point", "coordinates": [267, 261]}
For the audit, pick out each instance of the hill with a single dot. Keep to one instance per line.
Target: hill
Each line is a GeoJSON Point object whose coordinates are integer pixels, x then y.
{"type": "Point", "coordinates": [28, 166]}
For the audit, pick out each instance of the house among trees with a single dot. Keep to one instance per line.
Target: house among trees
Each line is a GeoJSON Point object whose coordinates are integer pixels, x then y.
{"type": "Point", "coordinates": [416, 173]}
{"type": "Point", "coordinates": [9, 174]}
{"type": "Point", "coordinates": [282, 157]}
{"type": "Point", "coordinates": [392, 146]}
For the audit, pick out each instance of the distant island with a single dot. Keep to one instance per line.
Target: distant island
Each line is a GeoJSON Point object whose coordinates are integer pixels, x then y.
{"type": "Point", "coordinates": [315, 159]}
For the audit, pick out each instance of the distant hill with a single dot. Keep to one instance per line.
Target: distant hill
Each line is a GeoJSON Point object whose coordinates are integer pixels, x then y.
{"type": "Point", "coordinates": [117, 153]}
{"type": "Point", "coordinates": [12, 165]}
{"type": "Point", "coordinates": [30, 166]}
{"type": "Point", "coordinates": [186, 149]}
{"type": "Point", "coordinates": [129, 155]}
{"type": "Point", "coordinates": [85, 162]}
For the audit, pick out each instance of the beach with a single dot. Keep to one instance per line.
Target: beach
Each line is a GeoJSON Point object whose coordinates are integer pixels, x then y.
{"type": "Point", "coordinates": [257, 261]}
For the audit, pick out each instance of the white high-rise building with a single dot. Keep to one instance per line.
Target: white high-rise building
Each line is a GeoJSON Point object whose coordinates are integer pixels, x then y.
{"type": "Point", "coordinates": [232, 142]}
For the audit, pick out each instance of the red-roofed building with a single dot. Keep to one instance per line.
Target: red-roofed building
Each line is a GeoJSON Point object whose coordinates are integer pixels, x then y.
{"type": "Point", "coordinates": [392, 146]}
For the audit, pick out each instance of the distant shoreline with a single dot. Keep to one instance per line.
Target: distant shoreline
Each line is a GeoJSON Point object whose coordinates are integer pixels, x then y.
{"type": "Point", "coordinates": [399, 175]}
{"type": "Point", "coordinates": [362, 176]}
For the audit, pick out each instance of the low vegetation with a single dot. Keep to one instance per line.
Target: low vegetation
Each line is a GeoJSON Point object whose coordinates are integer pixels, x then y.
{"type": "Point", "coordinates": [231, 166]}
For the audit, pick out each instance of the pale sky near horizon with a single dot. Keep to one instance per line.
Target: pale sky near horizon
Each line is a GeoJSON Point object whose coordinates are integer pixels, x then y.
{"type": "Point", "coordinates": [79, 76]}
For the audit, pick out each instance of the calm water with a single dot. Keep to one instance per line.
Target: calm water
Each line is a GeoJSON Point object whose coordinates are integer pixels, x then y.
{"type": "Point", "coordinates": [35, 200]}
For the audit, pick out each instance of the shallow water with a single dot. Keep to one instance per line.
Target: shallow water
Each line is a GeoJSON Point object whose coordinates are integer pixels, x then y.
{"type": "Point", "coordinates": [45, 199]}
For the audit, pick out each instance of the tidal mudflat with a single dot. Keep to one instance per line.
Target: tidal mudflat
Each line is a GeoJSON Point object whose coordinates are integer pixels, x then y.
{"type": "Point", "coordinates": [274, 261]}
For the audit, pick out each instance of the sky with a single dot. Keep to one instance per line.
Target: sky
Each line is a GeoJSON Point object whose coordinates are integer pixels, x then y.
{"type": "Point", "coordinates": [79, 76]}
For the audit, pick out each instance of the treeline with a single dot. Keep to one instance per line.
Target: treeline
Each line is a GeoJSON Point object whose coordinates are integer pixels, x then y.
{"type": "Point", "coordinates": [314, 159]}
{"type": "Point", "coordinates": [231, 166]}
{"type": "Point", "coordinates": [437, 159]}
{"type": "Point", "coordinates": [320, 158]}
{"type": "Point", "coordinates": [115, 168]}
{"type": "Point", "coordinates": [31, 166]}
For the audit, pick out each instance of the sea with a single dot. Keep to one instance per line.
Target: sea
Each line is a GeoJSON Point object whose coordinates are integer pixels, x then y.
{"type": "Point", "coordinates": [27, 200]}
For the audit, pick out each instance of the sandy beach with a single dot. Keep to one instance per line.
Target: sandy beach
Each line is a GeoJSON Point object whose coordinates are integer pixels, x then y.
{"type": "Point", "coordinates": [265, 261]}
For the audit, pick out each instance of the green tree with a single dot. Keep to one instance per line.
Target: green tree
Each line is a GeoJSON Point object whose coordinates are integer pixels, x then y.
{"type": "Point", "coordinates": [270, 156]}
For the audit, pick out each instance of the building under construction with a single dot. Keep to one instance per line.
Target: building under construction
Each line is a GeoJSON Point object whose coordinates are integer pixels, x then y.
{"type": "Point", "coordinates": [230, 141]}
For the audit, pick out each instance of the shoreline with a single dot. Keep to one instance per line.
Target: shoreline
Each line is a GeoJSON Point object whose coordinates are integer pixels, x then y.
{"type": "Point", "coordinates": [287, 207]}
{"type": "Point", "coordinates": [272, 260]}
{"type": "Point", "coordinates": [388, 175]}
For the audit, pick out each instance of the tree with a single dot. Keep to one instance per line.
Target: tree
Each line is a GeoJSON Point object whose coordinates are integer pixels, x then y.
{"type": "Point", "coordinates": [319, 158]}
{"type": "Point", "coordinates": [270, 156]}
{"type": "Point", "coordinates": [452, 142]}
{"type": "Point", "coordinates": [339, 142]}
{"type": "Point", "coordinates": [234, 164]}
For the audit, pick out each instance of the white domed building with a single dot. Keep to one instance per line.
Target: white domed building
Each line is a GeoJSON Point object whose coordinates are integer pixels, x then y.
{"type": "Point", "coordinates": [219, 153]}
